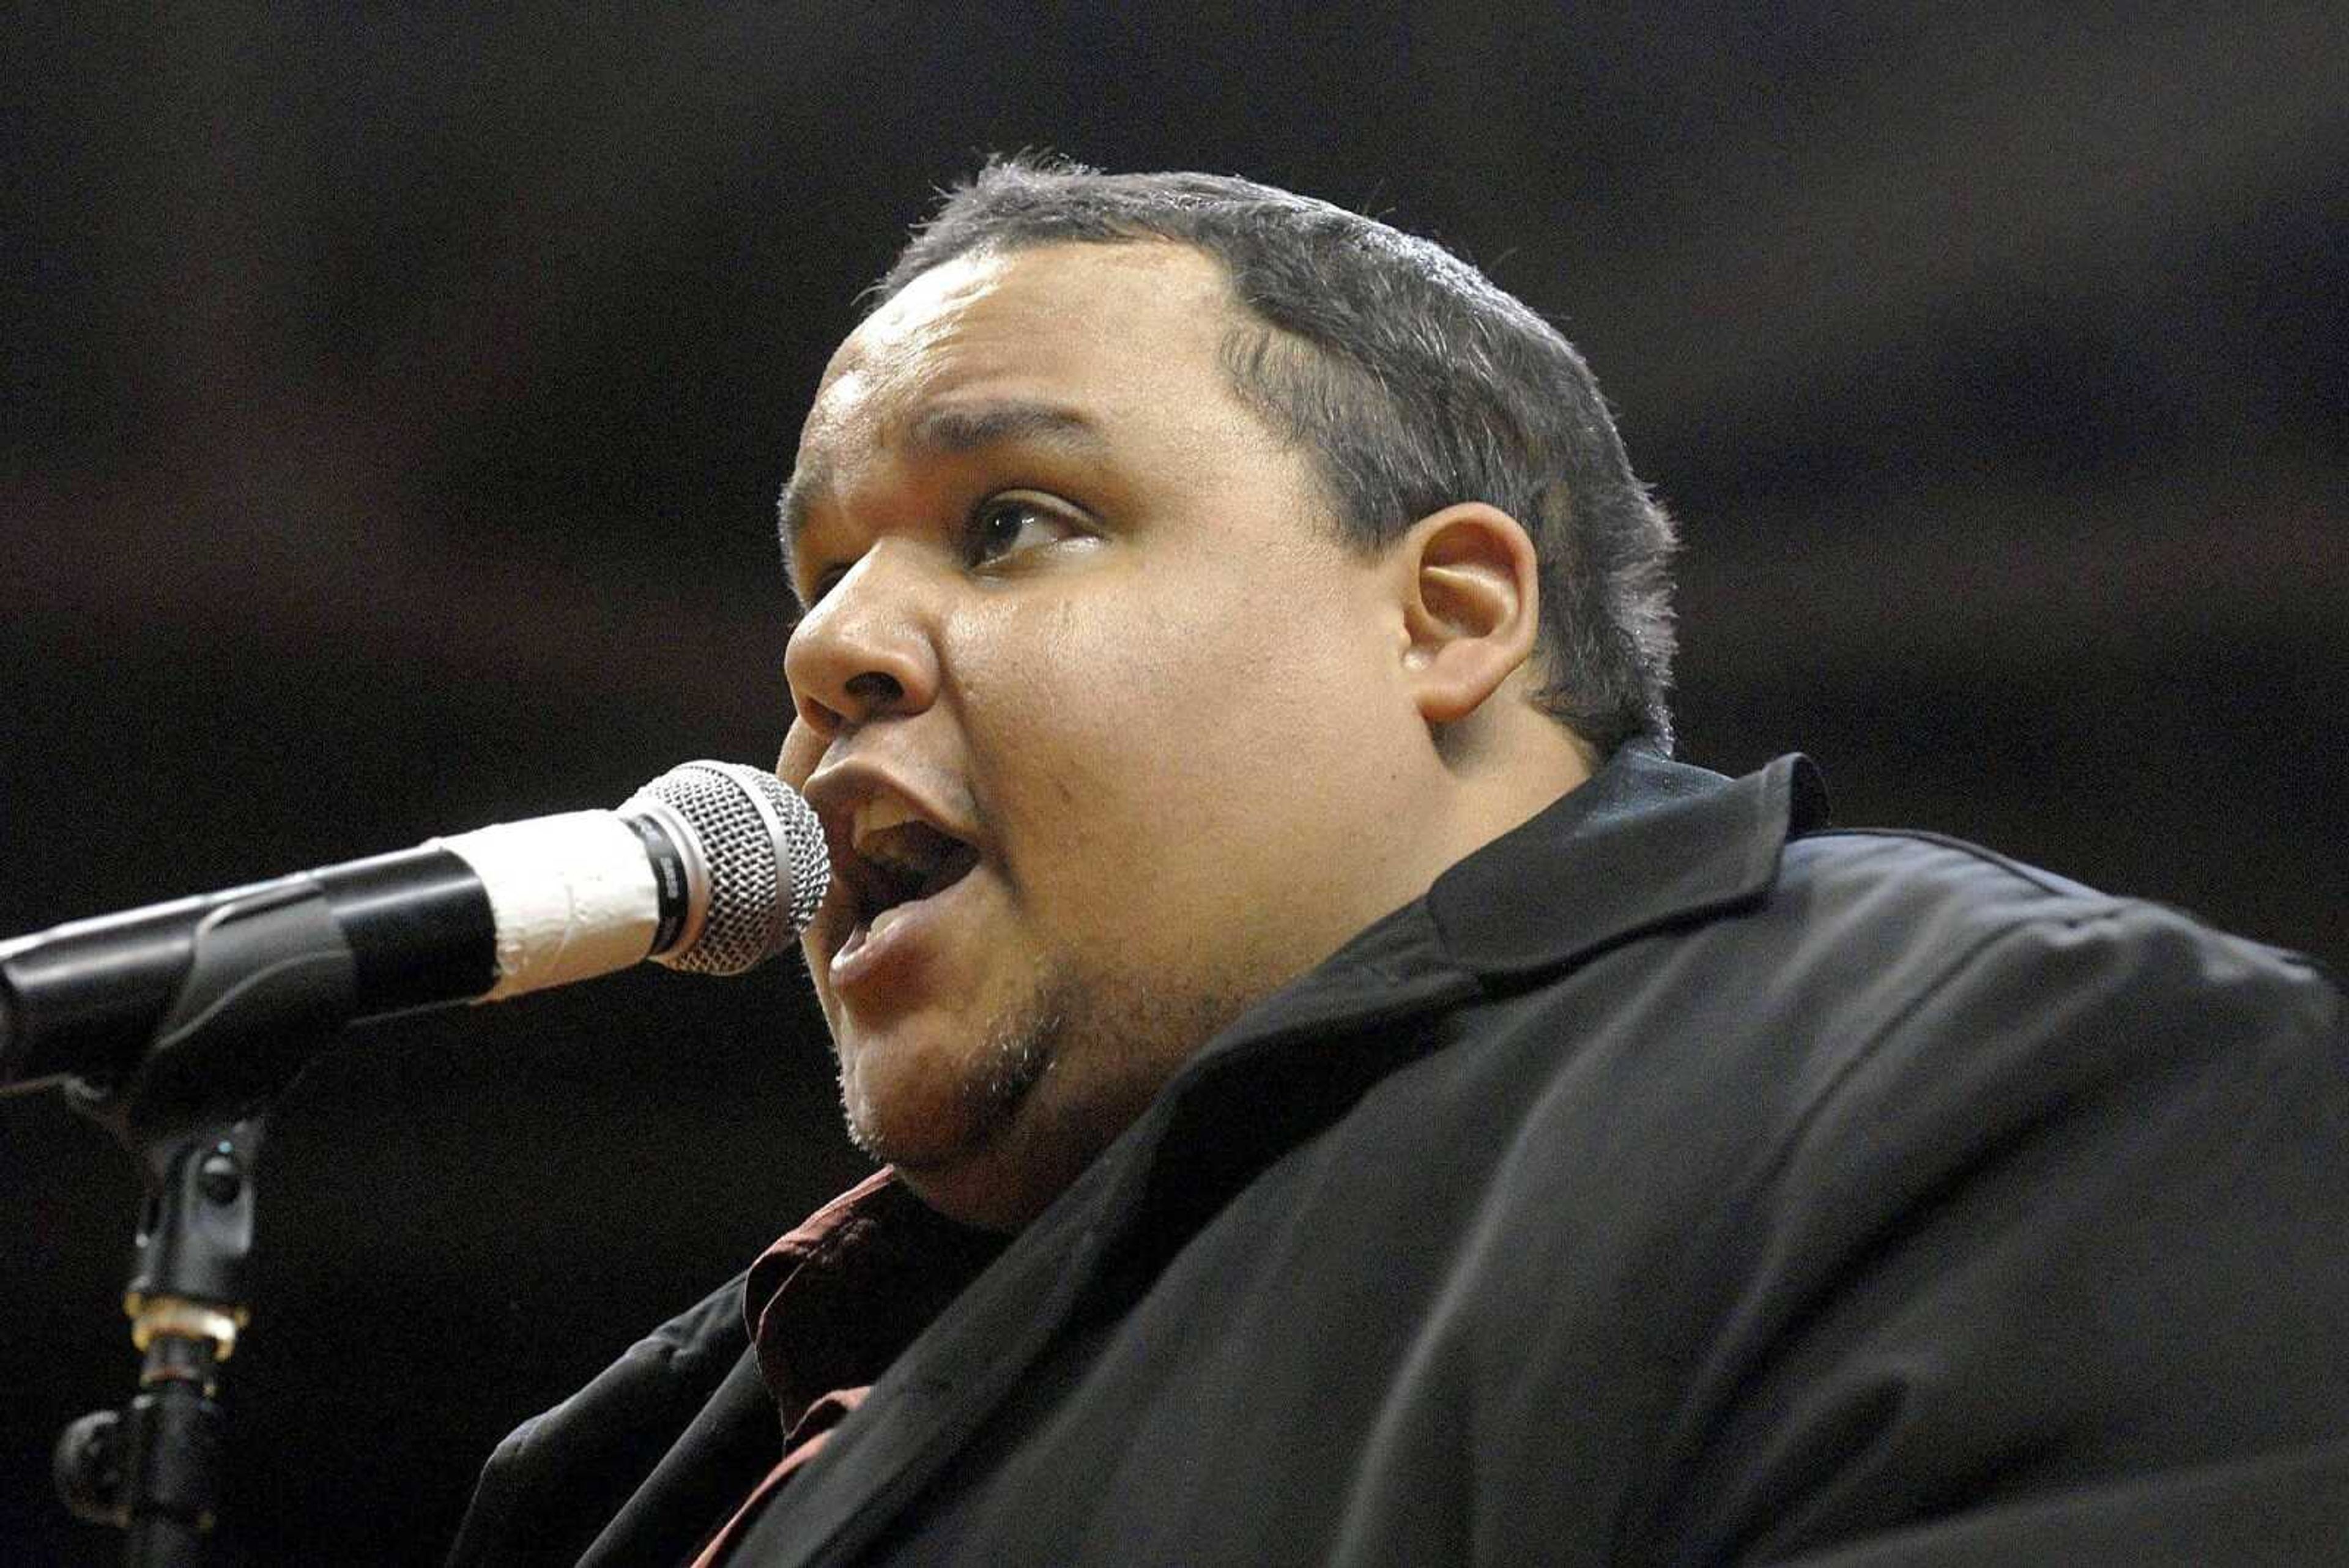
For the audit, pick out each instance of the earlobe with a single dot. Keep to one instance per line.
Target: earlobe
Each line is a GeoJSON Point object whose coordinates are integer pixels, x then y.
{"type": "Point", "coordinates": [1471, 606]}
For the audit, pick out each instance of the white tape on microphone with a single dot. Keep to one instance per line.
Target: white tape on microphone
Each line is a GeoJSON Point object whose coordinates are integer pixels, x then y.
{"type": "Point", "coordinates": [572, 897]}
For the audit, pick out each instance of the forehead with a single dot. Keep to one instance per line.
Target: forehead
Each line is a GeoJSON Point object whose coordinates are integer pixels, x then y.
{"type": "Point", "coordinates": [1120, 342]}
{"type": "Point", "coordinates": [1083, 313]}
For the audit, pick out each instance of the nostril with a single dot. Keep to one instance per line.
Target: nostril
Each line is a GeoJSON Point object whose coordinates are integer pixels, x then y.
{"type": "Point", "coordinates": [859, 699]}
{"type": "Point", "coordinates": [818, 718]}
{"type": "Point", "coordinates": [875, 689]}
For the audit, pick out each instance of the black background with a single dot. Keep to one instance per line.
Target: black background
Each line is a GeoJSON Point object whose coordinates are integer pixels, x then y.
{"type": "Point", "coordinates": [395, 405]}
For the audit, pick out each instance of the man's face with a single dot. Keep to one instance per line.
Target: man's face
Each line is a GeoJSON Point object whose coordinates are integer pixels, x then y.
{"type": "Point", "coordinates": [1078, 614]}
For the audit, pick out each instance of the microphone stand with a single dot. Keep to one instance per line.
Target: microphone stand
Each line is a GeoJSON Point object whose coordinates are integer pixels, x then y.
{"type": "Point", "coordinates": [269, 980]}
{"type": "Point", "coordinates": [155, 1467]}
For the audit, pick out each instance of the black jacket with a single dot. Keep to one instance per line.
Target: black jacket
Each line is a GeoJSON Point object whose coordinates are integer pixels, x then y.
{"type": "Point", "coordinates": [1677, 1182]}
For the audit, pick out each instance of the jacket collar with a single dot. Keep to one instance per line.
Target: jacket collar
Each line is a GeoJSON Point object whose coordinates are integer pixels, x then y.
{"type": "Point", "coordinates": [1645, 843]}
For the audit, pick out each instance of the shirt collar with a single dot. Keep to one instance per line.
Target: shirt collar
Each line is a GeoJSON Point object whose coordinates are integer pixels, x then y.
{"type": "Point", "coordinates": [830, 1305]}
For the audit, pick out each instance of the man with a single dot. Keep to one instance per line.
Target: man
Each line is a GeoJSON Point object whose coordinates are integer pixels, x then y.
{"type": "Point", "coordinates": [1346, 1097]}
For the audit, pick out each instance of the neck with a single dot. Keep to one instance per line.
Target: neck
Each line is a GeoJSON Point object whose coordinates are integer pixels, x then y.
{"type": "Point", "coordinates": [1519, 761]}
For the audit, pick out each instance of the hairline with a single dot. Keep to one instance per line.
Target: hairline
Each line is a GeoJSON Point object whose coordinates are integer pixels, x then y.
{"type": "Point", "coordinates": [1245, 333]}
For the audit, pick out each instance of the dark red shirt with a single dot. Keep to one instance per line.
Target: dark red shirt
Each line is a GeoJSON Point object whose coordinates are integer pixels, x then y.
{"type": "Point", "coordinates": [831, 1304]}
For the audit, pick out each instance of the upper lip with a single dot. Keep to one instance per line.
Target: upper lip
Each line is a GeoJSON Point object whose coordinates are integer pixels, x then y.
{"type": "Point", "coordinates": [838, 790]}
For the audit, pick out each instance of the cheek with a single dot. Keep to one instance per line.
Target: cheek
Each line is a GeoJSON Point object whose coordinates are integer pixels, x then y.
{"type": "Point", "coordinates": [1106, 701]}
{"type": "Point", "coordinates": [1121, 747]}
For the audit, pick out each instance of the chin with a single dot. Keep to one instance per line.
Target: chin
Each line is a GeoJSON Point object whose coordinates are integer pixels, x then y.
{"type": "Point", "coordinates": [992, 1175]}
{"type": "Point", "coordinates": [913, 1131]}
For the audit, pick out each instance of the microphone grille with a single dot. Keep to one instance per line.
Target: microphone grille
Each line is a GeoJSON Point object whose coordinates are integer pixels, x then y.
{"type": "Point", "coordinates": [765, 852]}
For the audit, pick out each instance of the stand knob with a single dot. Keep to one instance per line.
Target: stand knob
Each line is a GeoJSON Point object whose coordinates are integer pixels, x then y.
{"type": "Point", "coordinates": [87, 1467]}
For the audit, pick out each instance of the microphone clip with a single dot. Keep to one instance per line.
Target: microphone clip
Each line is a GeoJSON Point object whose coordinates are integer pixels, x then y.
{"type": "Point", "coordinates": [269, 980]}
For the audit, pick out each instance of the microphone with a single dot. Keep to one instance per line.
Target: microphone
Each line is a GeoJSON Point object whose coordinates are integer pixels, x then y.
{"type": "Point", "coordinates": [711, 868]}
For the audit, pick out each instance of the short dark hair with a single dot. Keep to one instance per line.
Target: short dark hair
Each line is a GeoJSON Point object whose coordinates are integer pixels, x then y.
{"type": "Point", "coordinates": [1415, 383]}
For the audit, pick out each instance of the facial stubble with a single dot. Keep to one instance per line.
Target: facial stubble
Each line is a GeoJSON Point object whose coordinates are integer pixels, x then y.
{"type": "Point", "coordinates": [1065, 1069]}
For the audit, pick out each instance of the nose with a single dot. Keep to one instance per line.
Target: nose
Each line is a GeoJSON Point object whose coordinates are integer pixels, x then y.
{"type": "Point", "coordinates": [864, 650]}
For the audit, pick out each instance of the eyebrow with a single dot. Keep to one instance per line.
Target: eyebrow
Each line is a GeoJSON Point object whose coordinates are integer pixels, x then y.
{"type": "Point", "coordinates": [946, 430]}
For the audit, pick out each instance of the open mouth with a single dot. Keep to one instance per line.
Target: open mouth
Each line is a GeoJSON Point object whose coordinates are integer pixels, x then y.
{"type": "Point", "coordinates": [896, 868]}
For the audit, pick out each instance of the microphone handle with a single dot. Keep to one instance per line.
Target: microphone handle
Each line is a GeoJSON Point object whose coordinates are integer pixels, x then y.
{"type": "Point", "coordinates": [388, 934]}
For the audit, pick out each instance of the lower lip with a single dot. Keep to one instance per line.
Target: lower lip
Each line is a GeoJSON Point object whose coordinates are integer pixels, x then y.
{"type": "Point", "coordinates": [896, 937]}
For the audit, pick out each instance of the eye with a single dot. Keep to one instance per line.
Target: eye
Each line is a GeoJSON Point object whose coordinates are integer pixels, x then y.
{"type": "Point", "coordinates": [1004, 524]}
{"type": "Point", "coordinates": [824, 582]}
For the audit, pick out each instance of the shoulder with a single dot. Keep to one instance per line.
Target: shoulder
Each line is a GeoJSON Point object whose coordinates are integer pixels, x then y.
{"type": "Point", "coordinates": [1937, 928]}
{"type": "Point", "coordinates": [1896, 1007]}
{"type": "Point", "coordinates": [2030, 1191]}
{"type": "Point", "coordinates": [555, 1479]}
{"type": "Point", "coordinates": [1910, 976]}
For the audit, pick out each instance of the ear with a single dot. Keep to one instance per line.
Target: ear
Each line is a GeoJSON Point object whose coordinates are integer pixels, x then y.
{"type": "Point", "coordinates": [1471, 603]}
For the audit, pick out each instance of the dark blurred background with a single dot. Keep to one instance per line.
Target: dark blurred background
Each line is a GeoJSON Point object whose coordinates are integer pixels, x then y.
{"type": "Point", "coordinates": [395, 405]}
